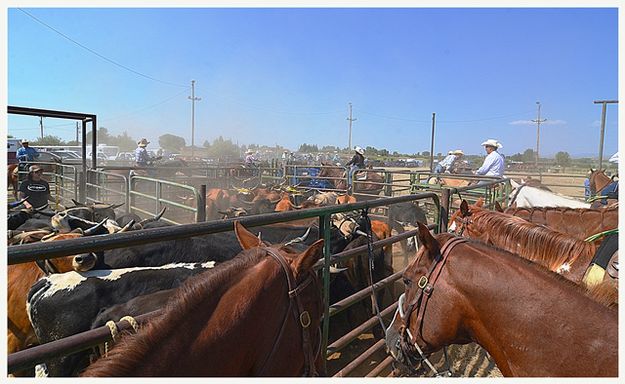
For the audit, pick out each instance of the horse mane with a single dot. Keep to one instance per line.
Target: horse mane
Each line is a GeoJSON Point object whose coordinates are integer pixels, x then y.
{"type": "Point", "coordinates": [603, 293]}
{"type": "Point", "coordinates": [535, 242]}
{"type": "Point", "coordinates": [200, 290]}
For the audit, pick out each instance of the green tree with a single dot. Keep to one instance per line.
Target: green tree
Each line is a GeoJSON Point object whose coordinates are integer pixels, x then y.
{"type": "Point", "coordinates": [563, 159]}
{"type": "Point", "coordinates": [425, 153]}
{"type": "Point", "coordinates": [529, 155]}
{"type": "Point", "coordinates": [48, 140]}
{"type": "Point", "coordinates": [221, 148]}
{"type": "Point", "coordinates": [123, 141]}
{"type": "Point", "coordinates": [171, 143]}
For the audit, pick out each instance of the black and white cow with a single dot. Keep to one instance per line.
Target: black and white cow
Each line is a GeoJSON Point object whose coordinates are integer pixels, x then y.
{"type": "Point", "coordinates": [405, 217]}
{"type": "Point", "coordinates": [64, 304]}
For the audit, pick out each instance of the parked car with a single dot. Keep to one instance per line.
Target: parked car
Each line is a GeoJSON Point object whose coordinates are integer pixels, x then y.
{"type": "Point", "coordinates": [126, 156]}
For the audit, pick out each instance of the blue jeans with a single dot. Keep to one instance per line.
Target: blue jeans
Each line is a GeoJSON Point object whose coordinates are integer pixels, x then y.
{"type": "Point", "coordinates": [438, 169]}
{"type": "Point", "coordinates": [350, 174]}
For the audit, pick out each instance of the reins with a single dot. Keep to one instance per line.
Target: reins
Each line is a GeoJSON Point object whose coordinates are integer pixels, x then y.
{"type": "Point", "coordinates": [300, 314]}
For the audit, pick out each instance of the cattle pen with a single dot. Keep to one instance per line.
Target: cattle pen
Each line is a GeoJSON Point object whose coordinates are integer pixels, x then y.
{"type": "Point", "coordinates": [354, 353]}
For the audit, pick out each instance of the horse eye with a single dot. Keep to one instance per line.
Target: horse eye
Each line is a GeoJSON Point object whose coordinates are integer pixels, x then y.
{"type": "Point", "coordinates": [407, 281]}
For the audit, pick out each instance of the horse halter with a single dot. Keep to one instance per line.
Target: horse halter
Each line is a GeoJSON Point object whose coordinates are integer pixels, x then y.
{"type": "Point", "coordinates": [408, 345]}
{"type": "Point", "coordinates": [464, 222]}
{"type": "Point", "coordinates": [301, 316]}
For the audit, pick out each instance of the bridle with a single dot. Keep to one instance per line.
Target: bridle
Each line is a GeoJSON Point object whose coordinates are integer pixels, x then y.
{"type": "Point", "coordinates": [464, 222]}
{"type": "Point", "coordinates": [301, 316]}
{"type": "Point", "coordinates": [409, 343]}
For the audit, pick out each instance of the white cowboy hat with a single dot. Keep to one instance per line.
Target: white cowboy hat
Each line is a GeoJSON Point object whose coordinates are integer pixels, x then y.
{"type": "Point", "coordinates": [249, 151]}
{"type": "Point", "coordinates": [143, 142]}
{"type": "Point", "coordinates": [359, 150]}
{"type": "Point", "coordinates": [457, 152]}
{"type": "Point", "coordinates": [492, 143]}
{"type": "Point", "coordinates": [614, 158]}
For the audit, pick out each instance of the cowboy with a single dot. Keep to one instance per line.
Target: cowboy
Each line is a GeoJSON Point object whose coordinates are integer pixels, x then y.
{"type": "Point", "coordinates": [35, 188]}
{"type": "Point", "coordinates": [250, 160]}
{"type": "Point", "coordinates": [25, 154]}
{"type": "Point", "coordinates": [357, 162]}
{"type": "Point", "coordinates": [142, 157]}
{"type": "Point", "coordinates": [494, 162]}
{"type": "Point", "coordinates": [448, 164]}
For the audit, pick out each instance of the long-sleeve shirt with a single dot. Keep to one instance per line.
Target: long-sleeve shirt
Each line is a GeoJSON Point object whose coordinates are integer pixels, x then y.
{"type": "Point", "coordinates": [141, 156]}
{"type": "Point", "coordinates": [493, 165]}
{"type": "Point", "coordinates": [448, 162]}
{"type": "Point", "coordinates": [358, 160]}
{"type": "Point", "coordinates": [26, 154]}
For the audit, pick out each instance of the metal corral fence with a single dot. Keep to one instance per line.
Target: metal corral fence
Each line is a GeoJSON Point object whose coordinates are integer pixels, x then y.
{"type": "Point", "coordinates": [148, 196]}
{"type": "Point", "coordinates": [86, 340]}
{"type": "Point", "coordinates": [107, 187]}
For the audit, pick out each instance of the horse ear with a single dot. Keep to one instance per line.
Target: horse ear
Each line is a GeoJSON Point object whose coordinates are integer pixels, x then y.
{"type": "Point", "coordinates": [464, 208]}
{"type": "Point", "coordinates": [480, 202]}
{"type": "Point", "coordinates": [591, 170]}
{"type": "Point", "coordinates": [246, 238]}
{"type": "Point", "coordinates": [307, 259]}
{"type": "Point", "coordinates": [76, 203]}
{"type": "Point", "coordinates": [498, 207]}
{"type": "Point", "coordinates": [426, 239]}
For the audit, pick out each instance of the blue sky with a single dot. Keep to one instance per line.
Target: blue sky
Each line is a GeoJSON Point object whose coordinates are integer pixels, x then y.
{"type": "Point", "coordinates": [286, 76]}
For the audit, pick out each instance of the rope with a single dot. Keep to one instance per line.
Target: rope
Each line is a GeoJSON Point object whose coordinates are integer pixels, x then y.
{"type": "Point", "coordinates": [115, 331]}
{"type": "Point", "coordinates": [601, 234]}
{"type": "Point", "coordinates": [374, 299]}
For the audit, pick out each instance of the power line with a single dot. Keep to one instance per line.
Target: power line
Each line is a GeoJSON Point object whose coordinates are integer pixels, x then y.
{"type": "Point", "coordinates": [443, 121]}
{"type": "Point", "coordinates": [100, 55]}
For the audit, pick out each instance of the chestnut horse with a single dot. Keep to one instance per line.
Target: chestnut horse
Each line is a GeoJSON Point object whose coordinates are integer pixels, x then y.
{"type": "Point", "coordinates": [554, 250]}
{"type": "Point", "coordinates": [598, 181]}
{"type": "Point", "coordinates": [577, 222]}
{"type": "Point", "coordinates": [371, 185]}
{"type": "Point", "coordinates": [529, 319]}
{"type": "Point", "coordinates": [255, 315]}
{"type": "Point", "coordinates": [13, 178]}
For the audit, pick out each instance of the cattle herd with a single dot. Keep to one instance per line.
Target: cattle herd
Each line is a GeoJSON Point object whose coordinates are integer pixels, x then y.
{"type": "Point", "coordinates": [51, 300]}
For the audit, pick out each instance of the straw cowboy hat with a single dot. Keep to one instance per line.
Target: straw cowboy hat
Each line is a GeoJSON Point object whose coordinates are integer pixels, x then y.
{"type": "Point", "coordinates": [143, 142]}
{"type": "Point", "coordinates": [249, 151]}
{"type": "Point", "coordinates": [457, 152]}
{"type": "Point", "coordinates": [359, 150]}
{"type": "Point", "coordinates": [492, 143]}
{"type": "Point", "coordinates": [34, 168]}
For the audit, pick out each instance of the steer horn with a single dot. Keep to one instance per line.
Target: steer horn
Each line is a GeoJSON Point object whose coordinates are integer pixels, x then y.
{"type": "Point", "coordinates": [127, 226]}
{"type": "Point", "coordinates": [334, 269]}
{"type": "Point", "coordinates": [95, 229]}
{"type": "Point", "coordinates": [299, 239]}
{"type": "Point", "coordinates": [155, 218]}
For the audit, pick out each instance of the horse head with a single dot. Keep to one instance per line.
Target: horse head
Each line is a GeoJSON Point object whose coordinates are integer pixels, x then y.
{"type": "Point", "coordinates": [415, 333]}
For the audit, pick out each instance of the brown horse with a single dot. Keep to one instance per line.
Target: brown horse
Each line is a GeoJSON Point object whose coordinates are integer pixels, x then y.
{"type": "Point", "coordinates": [365, 181]}
{"type": "Point", "coordinates": [598, 181]}
{"type": "Point", "coordinates": [554, 250]}
{"type": "Point", "coordinates": [577, 222]}
{"type": "Point", "coordinates": [525, 316]}
{"type": "Point", "coordinates": [255, 315]}
{"type": "Point", "coordinates": [13, 178]}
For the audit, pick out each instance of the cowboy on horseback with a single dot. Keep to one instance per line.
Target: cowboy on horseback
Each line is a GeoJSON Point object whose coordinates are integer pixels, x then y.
{"type": "Point", "coordinates": [357, 162]}
{"type": "Point", "coordinates": [448, 164]}
{"type": "Point", "coordinates": [26, 154]}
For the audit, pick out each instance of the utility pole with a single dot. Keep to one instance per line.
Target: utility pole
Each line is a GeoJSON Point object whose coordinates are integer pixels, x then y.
{"type": "Point", "coordinates": [538, 121]}
{"type": "Point", "coordinates": [432, 143]}
{"type": "Point", "coordinates": [41, 125]}
{"type": "Point", "coordinates": [193, 100]}
{"type": "Point", "coordinates": [350, 119]}
{"type": "Point", "coordinates": [77, 130]}
{"type": "Point", "coordinates": [603, 113]}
